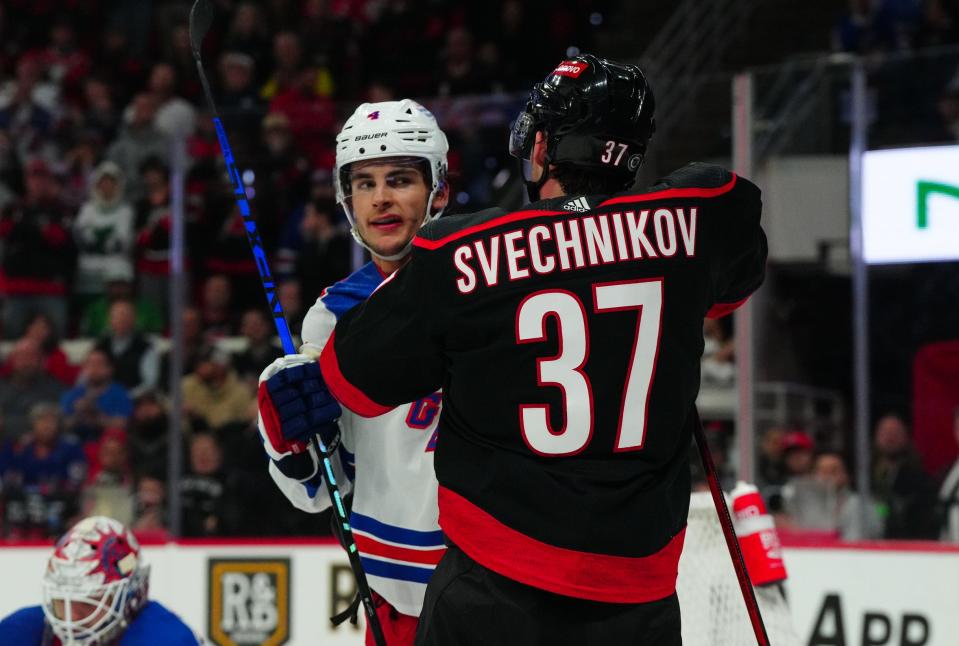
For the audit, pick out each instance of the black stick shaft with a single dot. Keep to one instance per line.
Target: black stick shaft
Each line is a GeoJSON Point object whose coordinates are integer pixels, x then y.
{"type": "Point", "coordinates": [729, 533]}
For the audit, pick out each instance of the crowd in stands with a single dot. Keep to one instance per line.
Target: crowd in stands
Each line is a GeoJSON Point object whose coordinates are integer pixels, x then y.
{"type": "Point", "coordinates": [92, 96]}
{"type": "Point", "coordinates": [90, 102]}
{"type": "Point", "coordinates": [812, 489]}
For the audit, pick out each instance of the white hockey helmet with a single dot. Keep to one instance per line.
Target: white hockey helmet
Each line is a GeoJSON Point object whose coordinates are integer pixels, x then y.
{"type": "Point", "coordinates": [95, 583]}
{"type": "Point", "coordinates": [390, 129]}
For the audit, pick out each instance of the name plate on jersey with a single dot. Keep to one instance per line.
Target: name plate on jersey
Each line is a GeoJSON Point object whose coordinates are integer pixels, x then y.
{"type": "Point", "coordinates": [910, 205]}
{"type": "Point", "coordinates": [249, 601]}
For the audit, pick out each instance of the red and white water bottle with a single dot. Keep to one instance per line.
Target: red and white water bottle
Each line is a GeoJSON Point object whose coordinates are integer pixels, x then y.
{"type": "Point", "coordinates": [757, 536]}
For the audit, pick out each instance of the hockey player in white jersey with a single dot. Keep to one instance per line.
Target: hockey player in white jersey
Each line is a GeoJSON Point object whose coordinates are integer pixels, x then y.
{"type": "Point", "coordinates": [390, 179]}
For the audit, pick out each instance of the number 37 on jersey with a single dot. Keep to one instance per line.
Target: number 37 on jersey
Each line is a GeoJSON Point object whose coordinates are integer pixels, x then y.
{"type": "Point", "coordinates": [565, 369]}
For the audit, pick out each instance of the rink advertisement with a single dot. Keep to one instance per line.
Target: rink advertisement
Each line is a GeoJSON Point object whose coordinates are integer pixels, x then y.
{"type": "Point", "coordinates": [273, 592]}
{"type": "Point", "coordinates": [875, 594]}
{"type": "Point", "coordinates": [249, 601]}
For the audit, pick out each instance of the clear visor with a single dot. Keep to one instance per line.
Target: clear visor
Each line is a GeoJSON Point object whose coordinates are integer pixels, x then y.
{"type": "Point", "coordinates": [522, 136]}
{"type": "Point", "coordinates": [83, 616]}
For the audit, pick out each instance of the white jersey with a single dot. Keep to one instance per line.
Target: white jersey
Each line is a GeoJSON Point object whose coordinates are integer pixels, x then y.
{"type": "Point", "coordinates": [394, 516]}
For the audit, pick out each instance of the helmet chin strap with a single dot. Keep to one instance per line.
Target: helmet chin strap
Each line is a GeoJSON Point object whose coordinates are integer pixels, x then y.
{"type": "Point", "coordinates": [533, 187]}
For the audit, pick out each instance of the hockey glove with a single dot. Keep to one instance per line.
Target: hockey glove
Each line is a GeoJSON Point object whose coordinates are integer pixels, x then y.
{"type": "Point", "coordinates": [294, 405]}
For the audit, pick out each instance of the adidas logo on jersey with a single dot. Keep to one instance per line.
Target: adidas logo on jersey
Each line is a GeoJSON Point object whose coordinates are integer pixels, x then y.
{"type": "Point", "coordinates": [579, 204]}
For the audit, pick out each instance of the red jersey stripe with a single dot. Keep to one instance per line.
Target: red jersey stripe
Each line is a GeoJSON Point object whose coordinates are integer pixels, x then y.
{"type": "Point", "coordinates": [585, 575]}
{"type": "Point", "coordinates": [372, 547]}
{"type": "Point", "coordinates": [425, 243]}
{"type": "Point", "coordinates": [668, 193]}
{"type": "Point", "coordinates": [720, 310]}
{"type": "Point", "coordinates": [672, 193]}
{"type": "Point", "coordinates": [345, 392]}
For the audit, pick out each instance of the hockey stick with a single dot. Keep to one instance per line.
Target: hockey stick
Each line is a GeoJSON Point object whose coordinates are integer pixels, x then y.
{"type": "Point", "coordinates": [201, 17]}
{"type": "Point", "coordinates": [729, 533]}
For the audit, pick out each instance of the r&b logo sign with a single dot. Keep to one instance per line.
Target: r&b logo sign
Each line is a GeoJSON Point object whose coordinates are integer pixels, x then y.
{"type": "Point", "coordinates": [249, 602]}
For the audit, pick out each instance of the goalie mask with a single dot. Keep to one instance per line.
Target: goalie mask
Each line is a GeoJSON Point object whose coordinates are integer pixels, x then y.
{"type": "Point", "coordinates": [95, 583]}
{"type": "Point", "coordinates": [594, 113]}
{"type": "Point", "coordinates": [403, 130]}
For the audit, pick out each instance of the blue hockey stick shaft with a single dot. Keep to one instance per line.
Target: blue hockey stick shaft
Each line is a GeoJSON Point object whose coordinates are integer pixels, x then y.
{"type": "Point", "coordinates": [200, 19]}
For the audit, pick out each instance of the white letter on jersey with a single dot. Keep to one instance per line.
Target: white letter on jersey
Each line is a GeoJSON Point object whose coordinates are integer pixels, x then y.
{"type": "Point", "coordinates": [566, 244]}
{"type": "Point", "coordinates": [489, 262]}
{"type": "Point", "coordinates": [514, 255]}
{"type": "Point", "coordinates": [665, 233]}
{"type": "Point", "coordinates": [540, 264]}
{"type": "Point", "coordinates": [467, 282]}
{"type": "Point", "coordinates": [688, 230]}
{"type": "Point", "coordinates": [599, 244]}
{"type": "Point", "coordinates": [638, 234]}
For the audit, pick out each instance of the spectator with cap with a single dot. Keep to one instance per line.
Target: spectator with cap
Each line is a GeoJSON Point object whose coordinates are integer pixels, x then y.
{"type": "Point", "coordinates": [798, 450]}
{"type": "Point", "coordinates": [38, 256]}
{"type": "Point", "coordinates": [213, 395]}
{"type": "Point", "coordinates": [148, 441]}
{"type": "Point", "coordinates": [97, 402]}
{"type": "Point", "coordinates": [26, 386]}
{"type": "Point", "coordinates": [104, 233]}
{"type": "Point", "coordinates": [905, 492]}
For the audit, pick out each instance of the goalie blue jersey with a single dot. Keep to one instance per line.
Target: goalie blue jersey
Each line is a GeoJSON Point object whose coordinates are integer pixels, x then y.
{"type": "Point", "coordinates": [154, 625]}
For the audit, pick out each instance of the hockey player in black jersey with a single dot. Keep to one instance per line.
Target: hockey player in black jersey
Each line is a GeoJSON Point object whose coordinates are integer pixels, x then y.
{"type": "Point", "coordinates": [566, 338]}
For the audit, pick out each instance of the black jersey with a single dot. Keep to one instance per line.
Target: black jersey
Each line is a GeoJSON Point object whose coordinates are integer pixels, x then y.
{"type": "Point", "coordinates": [566, 338]}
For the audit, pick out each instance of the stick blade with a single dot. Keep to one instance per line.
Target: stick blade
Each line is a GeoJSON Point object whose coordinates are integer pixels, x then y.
{"type": "Point", "coordinates": [201, 17]}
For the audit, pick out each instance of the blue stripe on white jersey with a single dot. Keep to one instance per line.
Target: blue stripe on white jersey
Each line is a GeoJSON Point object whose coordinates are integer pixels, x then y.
{"type": "Point", "coordinates": [394, 533]}
{"type": "Point", "coordinates": [389, 570]}
{"type": "Point", "coordinates": [343, 296]}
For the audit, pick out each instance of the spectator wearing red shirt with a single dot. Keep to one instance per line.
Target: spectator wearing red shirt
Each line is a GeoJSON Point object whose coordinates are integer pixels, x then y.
{"type": "Point", "coordinates": [38, 254]}
{"type": "Point", "coordinates": [55, 362]}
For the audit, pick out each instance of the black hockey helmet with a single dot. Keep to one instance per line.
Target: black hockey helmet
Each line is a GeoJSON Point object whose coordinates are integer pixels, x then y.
{"type": "Point", "coordinates": [593, 112]}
